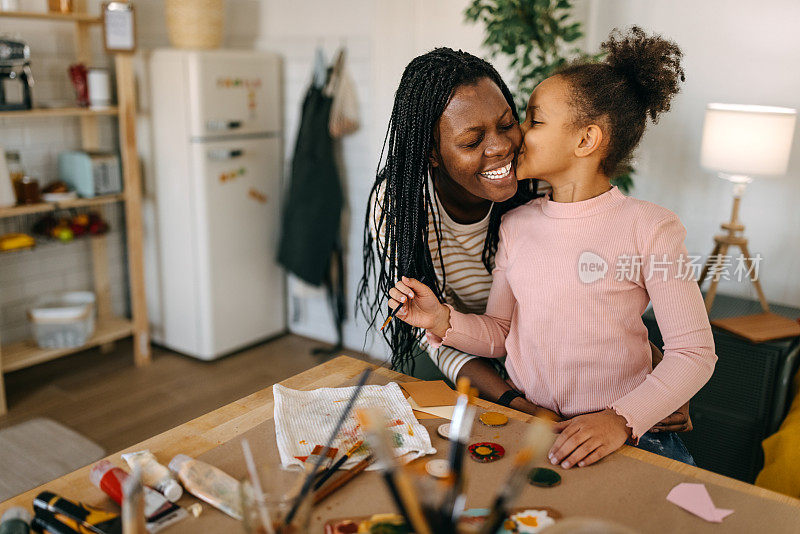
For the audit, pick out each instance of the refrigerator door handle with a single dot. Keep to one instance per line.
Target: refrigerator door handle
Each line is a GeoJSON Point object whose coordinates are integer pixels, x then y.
{"type": "Point", "coordinates": [224, 155]}
{"type": "Point", "coordinates": [216, 125]}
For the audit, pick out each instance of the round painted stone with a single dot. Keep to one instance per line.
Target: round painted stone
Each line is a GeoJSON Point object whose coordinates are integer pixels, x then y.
{"type": "Point", "coordinates": [444, 430]}
{"type": "Point", "coordinates": [493, 419]}
{"type": "Point", "coordinates": [438, 468]}
{"type": "Point", "coordinates": [543, 477]}
{"type": "Point", "coordinates": [486, 451]}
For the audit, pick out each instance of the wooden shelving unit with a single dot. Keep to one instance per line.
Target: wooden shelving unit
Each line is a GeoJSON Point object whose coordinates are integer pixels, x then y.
{"type": "Point", "coordinates": [84, 18]}
{"type": "Point", "coordinates": [109, 328]}
{"type": "Point", "coordinates": [58, 112]}
{"type": "Point", "coordinates": [43, 207]}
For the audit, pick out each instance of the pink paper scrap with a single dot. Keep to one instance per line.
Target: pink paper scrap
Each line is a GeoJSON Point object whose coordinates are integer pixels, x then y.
{"type": "Point", "coordinates": [694, 498]}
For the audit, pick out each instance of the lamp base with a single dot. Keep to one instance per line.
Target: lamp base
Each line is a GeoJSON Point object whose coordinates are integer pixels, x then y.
{"type": "Point", "coordinates": [732, 237]}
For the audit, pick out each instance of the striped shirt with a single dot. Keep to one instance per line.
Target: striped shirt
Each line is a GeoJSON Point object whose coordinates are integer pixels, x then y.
{"type": "Point", "coordinates": [467, 280]}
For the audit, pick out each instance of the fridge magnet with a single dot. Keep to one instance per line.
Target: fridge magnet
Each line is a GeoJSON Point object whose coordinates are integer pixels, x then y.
{"type": "Point", "coordinates": [493, 419]}
{"type": "Point", "coordinates": [119, 27]}
{"type": "Point", "coordinates": [257, 195]}
{"type": "Point", "coordinates": [227, 176]}
{"type": "Point", "coordinates": [486, 452]}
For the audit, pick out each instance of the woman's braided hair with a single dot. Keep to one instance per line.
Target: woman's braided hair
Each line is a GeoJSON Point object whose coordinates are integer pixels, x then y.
{"type": "Point", "coordinates": [403, 197]}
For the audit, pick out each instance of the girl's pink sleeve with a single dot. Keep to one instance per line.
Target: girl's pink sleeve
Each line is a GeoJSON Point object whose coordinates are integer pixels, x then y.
{"type": "Point", "coordinates": [689, 357]}
{"type": "Point", "coordinates": [484, 335]}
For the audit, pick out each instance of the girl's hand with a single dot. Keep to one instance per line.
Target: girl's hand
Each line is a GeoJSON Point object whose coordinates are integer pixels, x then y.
{"type": "Point", "coordinates": [420, 306]}
{"type": "Point", "coordinates": [585, 439]}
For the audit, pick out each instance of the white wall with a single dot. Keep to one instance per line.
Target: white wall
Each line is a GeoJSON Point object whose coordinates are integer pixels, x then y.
{"type": "Point", "coordinates": [381, 36]}
{"type": "Point", "coordinates": [739, 51]}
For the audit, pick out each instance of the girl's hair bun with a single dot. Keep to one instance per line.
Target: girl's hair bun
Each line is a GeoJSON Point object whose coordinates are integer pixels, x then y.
{"type": "Point", "coordinates": [651, 64]}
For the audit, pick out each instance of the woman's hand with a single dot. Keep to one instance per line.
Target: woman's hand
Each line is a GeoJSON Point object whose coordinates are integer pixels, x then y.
{"type": "Point", "coordinates": [585, 439]}
{"type": "Point", "coordinates": [680, 421]}
{"type": "Point", "coordinates": [420, 306]}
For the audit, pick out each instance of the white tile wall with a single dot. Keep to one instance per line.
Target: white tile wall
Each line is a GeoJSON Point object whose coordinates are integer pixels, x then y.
{"type": "Point", "coordinates": [54, 266]}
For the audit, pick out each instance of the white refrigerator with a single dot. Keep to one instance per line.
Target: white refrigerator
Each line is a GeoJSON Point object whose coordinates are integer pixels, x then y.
{"type": "Point", "coordinates": [216, 127]}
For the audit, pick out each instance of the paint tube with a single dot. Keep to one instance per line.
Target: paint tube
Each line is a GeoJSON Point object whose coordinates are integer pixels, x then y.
{"type": "Point", "coordinates": [159, 511]}
{"type": "Point", "coordinates": [15, 520]}
{"type": "Point", "coordinates": [154, 474]}
{"type": "Point", "coordinates": [133, 513]}
{"type": "Point", "coordinates": [57, 515]}
{"type": "Point", "coordinates": [208, 483]}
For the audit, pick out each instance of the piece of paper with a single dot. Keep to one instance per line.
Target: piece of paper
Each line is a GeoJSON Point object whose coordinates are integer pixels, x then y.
{"type": "Point", "coordinates": [443, 412]}
{"type": "Point", "coordinates": [694, 498]}
{"type": "Point", "coordinates": [422, 415]}
{"type": "Point", "coordinates": [431, 393]}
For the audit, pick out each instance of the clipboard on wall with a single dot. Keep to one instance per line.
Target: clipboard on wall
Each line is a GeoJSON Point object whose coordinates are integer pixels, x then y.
{"type": "Point", "coordinates": [119, 27]}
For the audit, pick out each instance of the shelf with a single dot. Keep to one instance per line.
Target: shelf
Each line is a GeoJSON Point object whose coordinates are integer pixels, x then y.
{"type": "Point", "coordinates": [43, 207]}
{"type": "Point", "coordinates": [26, 353]}
{"type": "Point", "coordinates": [65, 17]}
{"type": "Point", "coordinates": [59, 112]}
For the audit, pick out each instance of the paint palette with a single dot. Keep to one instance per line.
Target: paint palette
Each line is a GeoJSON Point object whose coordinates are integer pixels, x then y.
{"type": "Point", "coordinates": [521, 520]}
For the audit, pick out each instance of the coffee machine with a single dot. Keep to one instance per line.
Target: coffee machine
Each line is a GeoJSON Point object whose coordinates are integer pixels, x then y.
{"type": "Point", "coordinates": [15, 67]}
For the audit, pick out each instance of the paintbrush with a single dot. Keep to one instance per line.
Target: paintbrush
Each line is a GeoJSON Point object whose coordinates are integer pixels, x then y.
{"type": "Point", "coordinates": [339, 463]}
{"type": "Point", "coordinates": [391, 316]}
{"type": "Point", "coordinates": [405, 498]}
{"type": "Point", "coordinates": [460, 430]}
{"type": "Point", "coordinates": [310, 476]}
{"type": "Point", "coordinates": [537, 441]}
{"type": "Point", "coordinates": [346, 477]}
{"type": "Point", "coordinates": [258, 493]}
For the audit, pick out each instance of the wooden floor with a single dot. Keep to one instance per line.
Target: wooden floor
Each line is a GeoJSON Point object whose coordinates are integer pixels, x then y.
{"type": "Point", "coordinates": [108, 400]}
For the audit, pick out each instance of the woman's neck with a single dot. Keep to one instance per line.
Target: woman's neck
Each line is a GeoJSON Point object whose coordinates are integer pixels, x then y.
{"type": "Point", "coordinates": [461, 205]}
{"type": "Point", "coordinates": [580, 187]}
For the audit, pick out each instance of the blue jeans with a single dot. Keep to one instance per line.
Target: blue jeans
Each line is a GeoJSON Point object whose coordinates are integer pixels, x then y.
{"type": "Point", "coordinates": [666, 444]}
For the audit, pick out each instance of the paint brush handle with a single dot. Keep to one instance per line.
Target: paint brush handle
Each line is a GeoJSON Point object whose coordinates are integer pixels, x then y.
{"type": "Point", "coordinates": [328, 473]}
{"type": "Point", "coordinates": [344, 479]}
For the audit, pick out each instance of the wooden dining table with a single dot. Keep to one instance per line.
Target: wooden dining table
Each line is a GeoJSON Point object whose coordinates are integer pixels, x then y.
{"type": "Point", "coordinates": [628, 487]}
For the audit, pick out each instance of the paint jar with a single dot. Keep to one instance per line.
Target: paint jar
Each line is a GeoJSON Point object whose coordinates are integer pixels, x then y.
{"type": "Point", "coordinates": [208, 483]}
{"type": "Point", "coordinates": [154, 474]}
{"type": "Point", "coordinates": [15, 520]}
{"type": "Point", "coordinates": [273, 501]}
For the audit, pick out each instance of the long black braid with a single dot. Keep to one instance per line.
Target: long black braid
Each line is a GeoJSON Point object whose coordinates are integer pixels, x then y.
{"type": "Point", "coordinates": [402, 193]}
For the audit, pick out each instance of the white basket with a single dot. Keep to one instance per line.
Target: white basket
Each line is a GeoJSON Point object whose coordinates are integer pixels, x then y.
{"type": "Point", "coordinates": [64, 320]}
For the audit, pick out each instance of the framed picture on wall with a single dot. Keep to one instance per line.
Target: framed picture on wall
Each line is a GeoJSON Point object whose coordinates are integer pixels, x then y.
{"type": "Point", "coordinates": [119, 27]}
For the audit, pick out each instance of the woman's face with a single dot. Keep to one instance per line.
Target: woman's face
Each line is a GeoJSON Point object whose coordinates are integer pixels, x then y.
{"type": "Point", "coordinates": [477, 140]}
{"type": "Point", "coordinates": [549, 137]}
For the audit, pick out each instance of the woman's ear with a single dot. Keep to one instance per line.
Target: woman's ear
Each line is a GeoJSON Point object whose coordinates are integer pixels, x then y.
{"type": "Point", "coordinates": [590, 141]}
{"type": "Point", "coordinates": [434, 158]}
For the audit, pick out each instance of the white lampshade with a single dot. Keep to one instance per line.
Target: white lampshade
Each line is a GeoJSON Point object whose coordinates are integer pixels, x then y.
{"type": "Point", "coordinates": [747, 140]}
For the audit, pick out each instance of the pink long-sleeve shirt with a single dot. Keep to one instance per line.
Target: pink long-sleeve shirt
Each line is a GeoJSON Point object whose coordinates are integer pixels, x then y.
{"type": "Point", "coordinates": [571, 282]}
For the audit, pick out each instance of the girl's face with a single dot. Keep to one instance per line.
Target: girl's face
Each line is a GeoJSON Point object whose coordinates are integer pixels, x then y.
{"type": "Point", "coordinates": [549, 137]}
{"type": "Point", "coordinates": [477, 140]}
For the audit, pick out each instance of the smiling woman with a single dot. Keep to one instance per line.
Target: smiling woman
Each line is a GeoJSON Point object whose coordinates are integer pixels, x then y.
{"type": "Point", "coordinates": [435, 208]}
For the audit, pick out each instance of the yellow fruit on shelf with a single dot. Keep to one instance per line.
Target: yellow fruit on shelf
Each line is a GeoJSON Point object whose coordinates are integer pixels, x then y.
{"type": "Point", "coordinates": [16, 242]}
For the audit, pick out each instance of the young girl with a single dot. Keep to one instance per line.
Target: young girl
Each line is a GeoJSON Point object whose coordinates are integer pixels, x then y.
{"type": "Point", "coordinates": [575, 271]}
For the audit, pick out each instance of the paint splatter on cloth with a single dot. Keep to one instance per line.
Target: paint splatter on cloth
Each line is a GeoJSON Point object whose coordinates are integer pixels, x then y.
{"type": "Point", "coordinates": [304, 419]}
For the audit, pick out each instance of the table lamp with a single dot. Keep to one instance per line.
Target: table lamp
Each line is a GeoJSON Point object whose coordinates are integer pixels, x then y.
{"type": "Point", "coordinates": [739, 142]}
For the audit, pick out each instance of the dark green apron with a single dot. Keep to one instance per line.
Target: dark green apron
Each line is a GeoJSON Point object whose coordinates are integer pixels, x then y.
{"type": "Point", "coordinates": [310, 245]}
